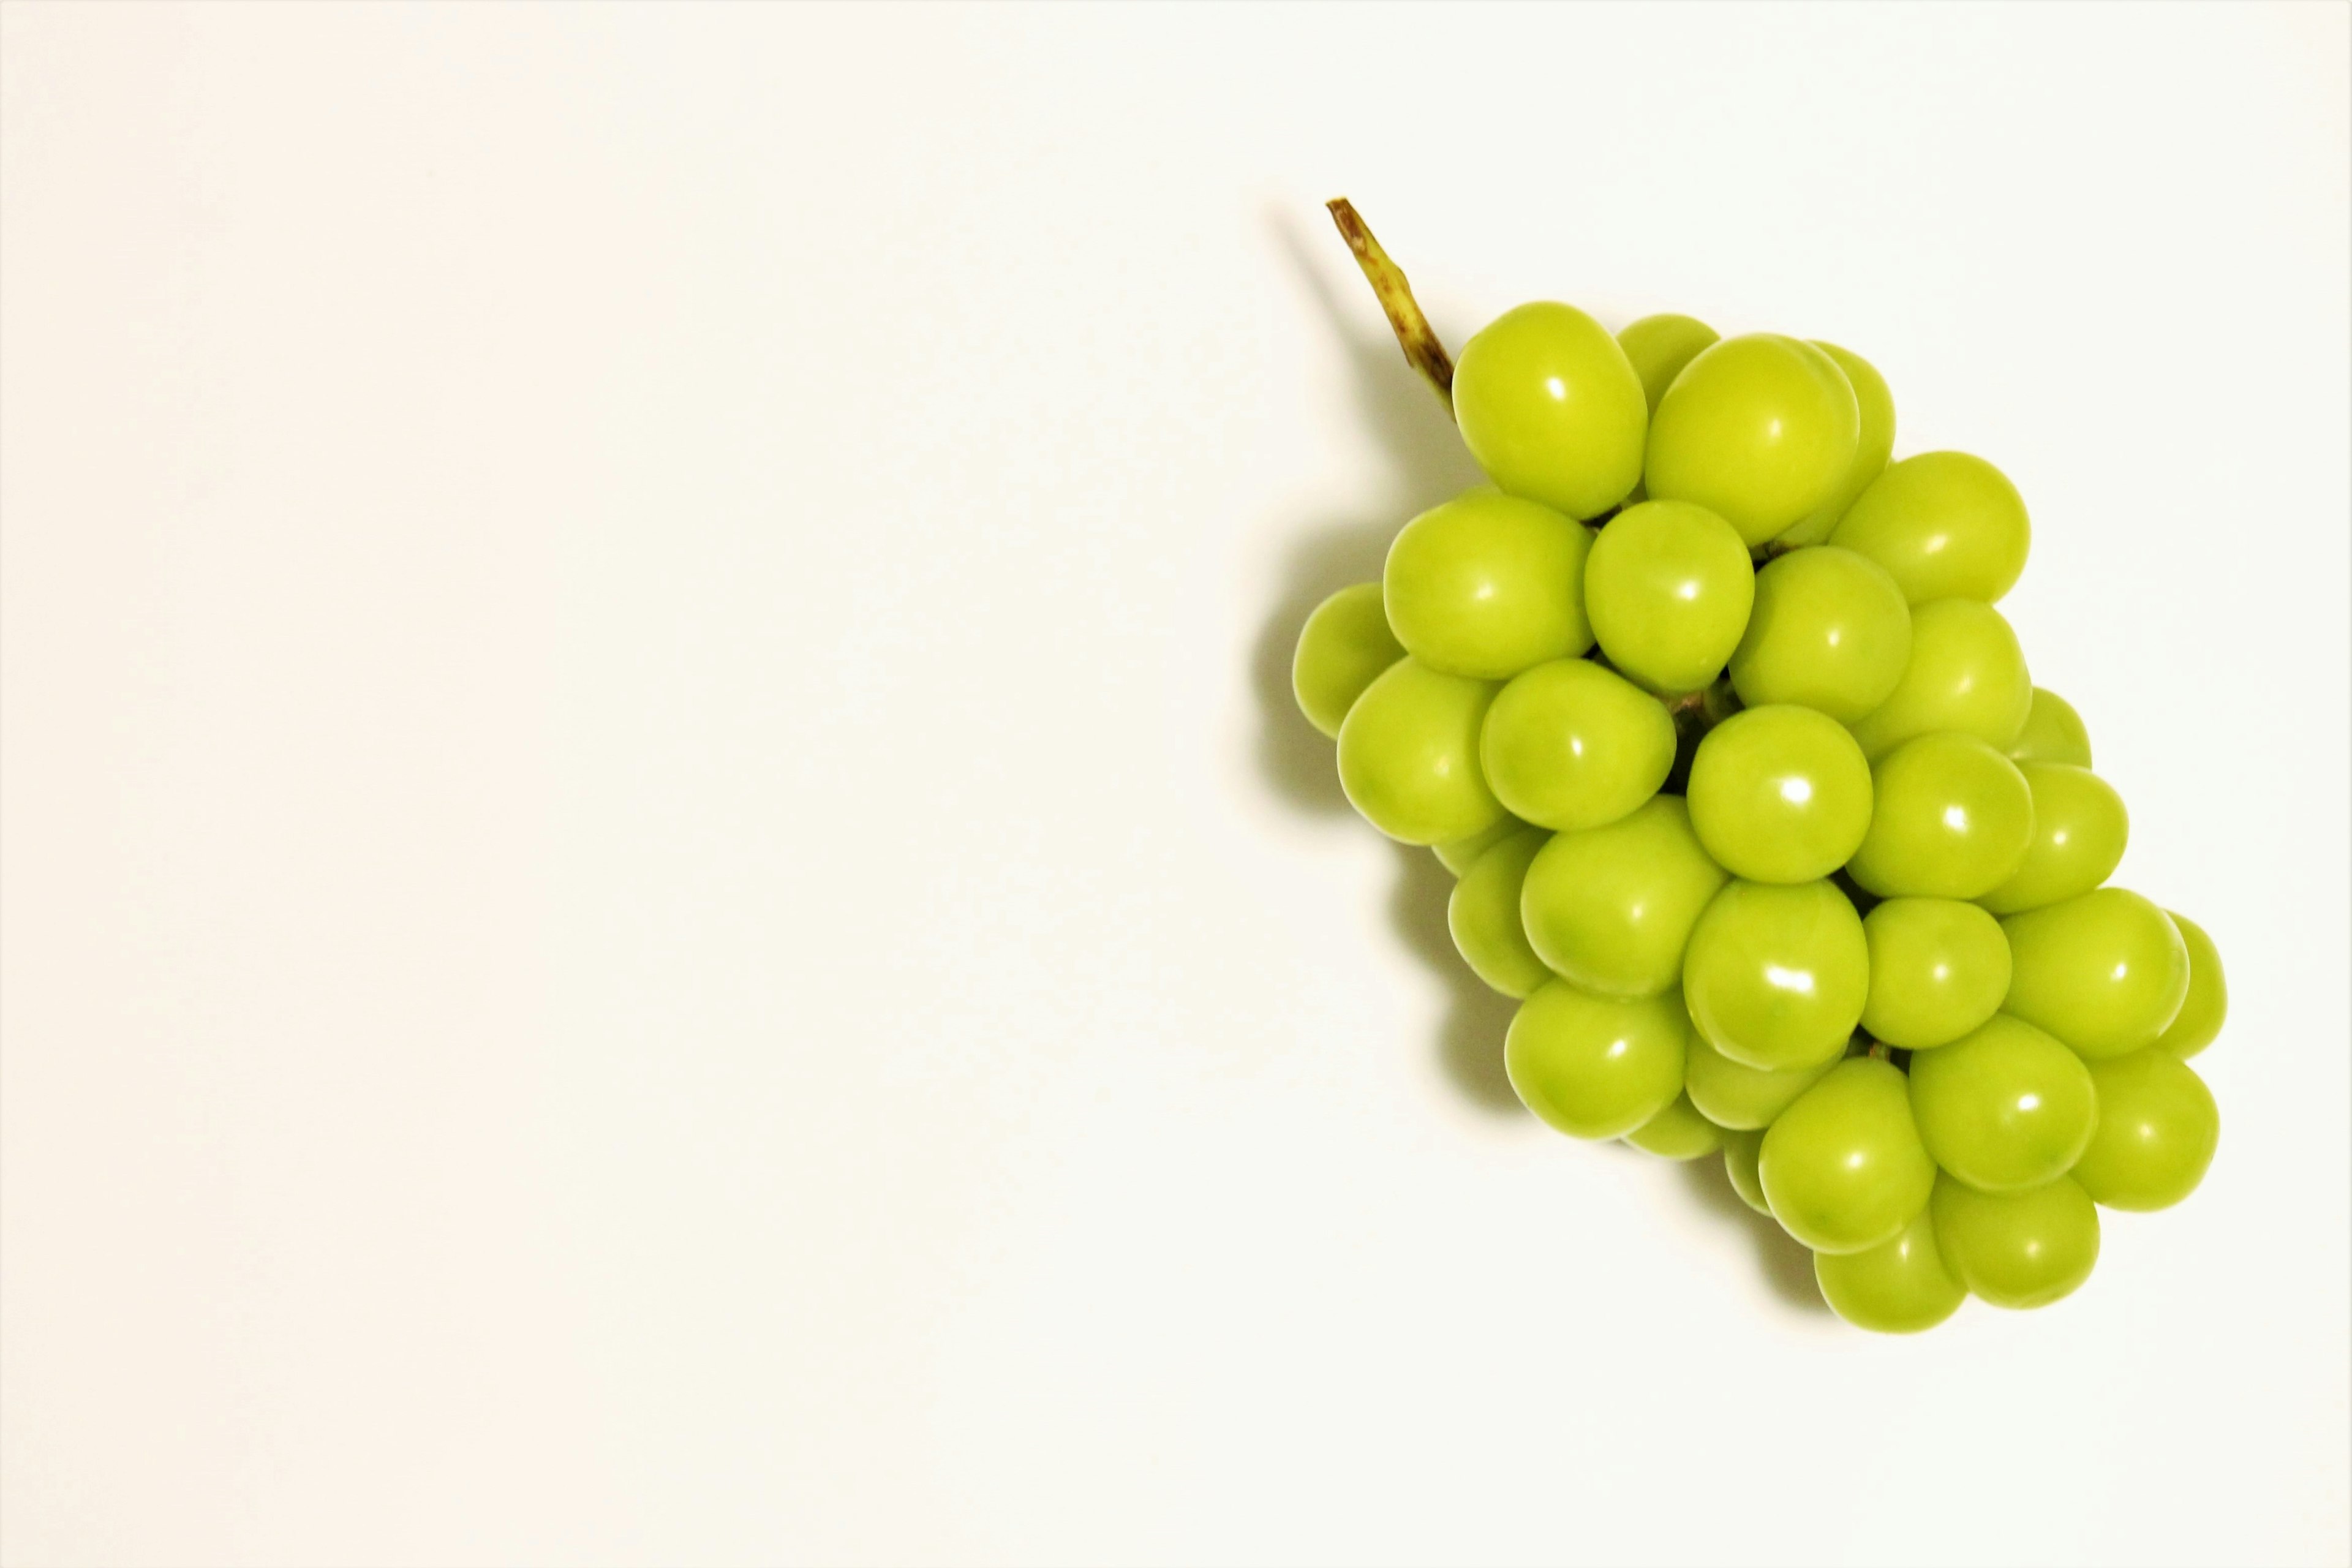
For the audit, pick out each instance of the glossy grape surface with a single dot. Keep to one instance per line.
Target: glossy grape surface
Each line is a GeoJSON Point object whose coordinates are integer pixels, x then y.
{"type": "Point", "coordinates": [2005, 1107]}
{"type": "Point", "coordinates": [1552, 409]}
{"type": "Point", "coordinates": [1870, 449]}
{"type": "Point", "coordinates": [1950, 819]}
{"type": "Point", "coordinates": [1459, 854]}
{"type": "Point", "coordinates": [1966, 674]}
{"type": "Point", "coordinates": [1668, 587]}
{"type": "Point", "coordinates": [1757, 429]}
{"type": "Point", "coordinates": [2106, 972]}
{"type": "Point", "coordinates": [1735, 1095]}
{"type": "Point", "coordinates": [1780, 793]}
{"type": "Point", "coordinates": [1945, 526]}
{"type": "Point", "coordinates": [2208, 1002]}
{"type": "Point", "coordinates": [1938, 968]}
{"type": "Point", "coordinates": [1775, 976]}
{"type": "Point", "coordinates": [1678, 1132]}
{"type": "Point", "coordinates": [1594, 1066]}
{"type": "Point", "coordinates": [1611, 908]}
{"type": "Point", "coordinates": [2017, 1249]}
{"type": "Point", "coordinates": [1843, 1167]}
{"type": "Point", "coordinates": [1483, 916]}
{"type": "Point", "coordinates": [2157, 1130]}
{"type": "Point", "coordinates": [1570, 745]}
{"type": "Point", "coordinates": [1486, 584]}
{"type": "Point", "coordinates": [1409, 755]}
{"type": "Point", "coordinates": [1659, 346]}
{"type": "Point", "coordinates": [2053, 732]}
{"type": "Point", "coordinates": [1343, 649]}
{"type": "Point", "coordinates": [1830, 630]}
{"type": "Point", "coordinates": [1742, 1152]}
{"type": "Point", "coordinates": [1899, 1287]}
{"type": "Point", "coordinates": [2079, 829]}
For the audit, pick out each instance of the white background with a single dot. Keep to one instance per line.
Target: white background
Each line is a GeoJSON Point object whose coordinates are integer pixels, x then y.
{"type": "Point", "coordinates": [663, 904]}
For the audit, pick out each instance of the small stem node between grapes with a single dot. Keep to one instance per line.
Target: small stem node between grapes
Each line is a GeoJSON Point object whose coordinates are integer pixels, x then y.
{"type": "Point", "coordinates": [1419, 340]}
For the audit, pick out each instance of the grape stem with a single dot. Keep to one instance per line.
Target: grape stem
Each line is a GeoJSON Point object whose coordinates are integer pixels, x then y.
{"type": "Point", "coordinates": [1419, 340]}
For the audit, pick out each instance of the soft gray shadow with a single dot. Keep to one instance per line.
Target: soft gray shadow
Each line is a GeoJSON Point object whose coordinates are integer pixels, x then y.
{"type": "Point", "coordinates": [1786, 1263]}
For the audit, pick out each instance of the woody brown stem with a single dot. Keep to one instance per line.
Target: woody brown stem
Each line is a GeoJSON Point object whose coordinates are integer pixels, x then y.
{"type": "Point", "coordinates": [1419, 340]}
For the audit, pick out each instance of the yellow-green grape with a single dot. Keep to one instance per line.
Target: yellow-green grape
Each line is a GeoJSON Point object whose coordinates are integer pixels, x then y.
{"type": "Point", "coordinates": [1898, 1287]}
{"type": "Point", "coordinates": [1950, 819]}
{"type": "Point", "coordinates": [1678, 1132]}
{"type": "Point", "coordinates": [1659, 346]}
{"type": "Point", "coordinates": [1775, 976]}
{"type": "Point", "coordinates": [1486, 584]}
{"type": "Point", "coordinates": [1459, 854]}
{"type": "Point", "coordinates": [1947, 525]}
{"type": "Point", "coordinates": [2004, 1108]}
{"type": "Point", "coordinates": [1780, 793]}
{"type": "Point", "coordinates": [2199, 1019]}
{"type": "Point", "coordinates": [1594, 1066]}
{"type": "Point", "coordinates": [1741, 1152]}
{"type": "Point", "coordinates": [1869, 452]}
{"type": "Point", "coordinates": [1843, 1167]}
{"type": "Point", "coordinates": [1343, 649]}
{"type": "Point", "coordinates": [2106, 972]}
{"type": "Point", "coordinates": [1667, 588]}
{"type": "Point", "coordinates": [1611, 908]}
{"type": "Point", "coordinates": [1966, 673]}
{"type": "Point", "coordinates": [2017, 1249]}
{"type": "Point", "coordinates": [1757, 429]}
{"type": "Point", "coordinates": [1733, 1094]}
{"type": "Point", "coordinates": [2079, 829]}
{"type": "Point", "coordinates": [2053, 732]}
{"type": "Point", "coordinates": [1570, 745]}
{"type": "Point", "coordinates": [1484, 915]}
{"type": "Point", "coordinates": [1409, 755]}
{"type": "Point", "coordinates": [2157, 1129]}
{"type": "Point", "coordinates": [1938, 968]}
{"type": "Point", "coordinates": [1552, 409]}
{"type": "Point", "coordinates": [1830, 630]}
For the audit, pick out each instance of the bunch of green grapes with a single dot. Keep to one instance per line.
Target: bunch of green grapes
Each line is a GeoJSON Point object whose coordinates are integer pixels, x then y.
{"type": "Point", "coordinates": [1753, 804]}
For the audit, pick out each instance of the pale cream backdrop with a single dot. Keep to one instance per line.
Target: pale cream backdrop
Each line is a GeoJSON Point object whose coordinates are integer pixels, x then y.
{"type": "Point", "coordinates": [661, 904]}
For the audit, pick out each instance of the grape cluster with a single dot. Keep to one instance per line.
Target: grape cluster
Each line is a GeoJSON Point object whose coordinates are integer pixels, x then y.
{"type": "Point", "coordinates": [1753, 805]}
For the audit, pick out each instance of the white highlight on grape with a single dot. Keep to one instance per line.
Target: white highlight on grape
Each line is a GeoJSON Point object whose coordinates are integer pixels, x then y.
{"type": "Point", "coordinates": [1796, 792]}
{"type": "Point", "coordinates": [1781, 979]}
{"type": "Point", "coordinates": [1956, 817]}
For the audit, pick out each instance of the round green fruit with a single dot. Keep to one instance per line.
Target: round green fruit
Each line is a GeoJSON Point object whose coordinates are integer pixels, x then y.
{"type": "Point", "coordinates": [1409, 755]}
{"type": "Point", "coordinates": [2079, 829]}
{"type": "Point", "coordinates": [1552, 409]}
{"type": "Point", "coordinates": [1945, 526]}
{"type": "Point", "coordinates": [1869, 452]}
{"type": "Point", "coordinates": [1486, 584]}
{"type": "Point", "coordinates": [1594, 1066]}
{"type": "Point", "coordinates": [2106, 972]}
{"type": "Point", "coordinates": [2199, 1021]}
{"type": "Point", "coordinates": [1668, 587]}
{"type": "Point", "coordinates": [1659, 346]}
{"type": "Point", "coordinates": [1678, 1132]}
{"type": "Point", "coordinates": [1775, 976]}
{"type": "Point", "coordinates": [1899, 1287]}
{"type": "Point", "coordinates": [1780, 793]}
{"type": "Point", "coordinates": [1938, 968]}
{"type": "Point", "coordinates": [1950, 819]}
{"type": "Point", "coordinates": [2005, 1107]}
{"type": "Point", "coordinates": [1757, 429]}
{"type": "Point", "coordinates": [1829, 630]}
{"type": "Point", "coordinates": [1343, 649]}
{"type": "Point", "coordinates": [2157, 1130]}
{"type": "Point", "coordinates": [1843, 1167]}
{"type": "Point", "coordinates": [2017, 1249]}
{"type": "Point", "coordinates": [1966, 674]}
{"type": "Point", "coordinates": [1611, 908]}
{"type": "Point", "coordinates": [1483, 916]}
{"type": "Point", "coordinates": [1570, 745]}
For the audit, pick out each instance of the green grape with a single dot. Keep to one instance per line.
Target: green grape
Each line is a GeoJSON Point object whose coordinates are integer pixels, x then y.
{"type": "Point", "coordinates": [1757, 429]}
{"type": "Point", "coordinates": [1899, 1287]}
{"type": "Point", "coordinates": [1611, 908]}
{"type": "Point", "coordinates": [1459, 854]}
{"type": "Point", "coordinates": [1552, 409]}
{"type": "Point", "coordinates": [2157, 1127]}
{"type": "Point", "coordinates": [2005, 1107]}
{"type": "Point", "coordinates": [2053, 732]}
{"type": "Point", "coordinates": [1409, 755]}
{"type": "Point", "coordinates": [1938, 968]}
{"type": "Point", "coordinates": [1678, 1132]}
{"type": "Point", "coordinates": [1486, 584]}
{"type": "Point", "coordinates": [1741, 1152]}
{"type": "Point", "coordinates": [1869, 452]}
{"type": "Point", "coordinates": [1659, 346]}
{"type": "Point", "coordinates": [1830, 630]}
{"type": "Point", "coordinates": [1343, 649]}
{"type": "Point", "coordinates": [1775, 976]}
{"type": "Point", "coordinates": [2017, 1249]}
{"type": "Point", "coordinates": [1947, 525]}
{"type": "Point", "coordinates": [1594, 1066]}
{"type": "Point", "coordinates": [1735, 1095]}
{"type": "Point", "coordinates": [1570, 745]}
{"type": "Point", "coordinates": [1668, 587]}
{"type": "Point", "coordinates": [1843, 1167]}
{"type": "Point", "coordinates": [2208, 1002]}
{"type": "Point", "coordinates": [2079, 828]}
{"type": "Point", "coordinates": [2106, 971]}
{"type": "Point", "coordinates": [1484, 915]}
{"type": "Point", "coordinates": [1950, 819]}
{"type": "Point", "coordinates": [1966, 673]}
{"type": "Point", "coordinates": [1780, 793]}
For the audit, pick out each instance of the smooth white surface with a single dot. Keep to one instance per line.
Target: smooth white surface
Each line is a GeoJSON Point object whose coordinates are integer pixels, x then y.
{"type": "Point", "coordinates": [662, 904]}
